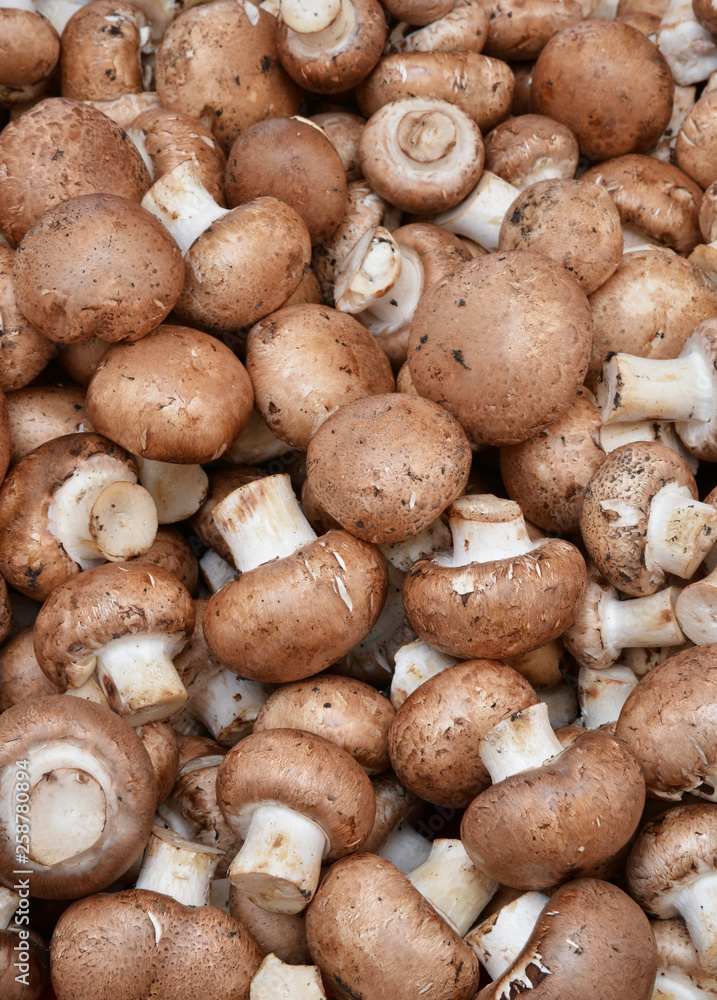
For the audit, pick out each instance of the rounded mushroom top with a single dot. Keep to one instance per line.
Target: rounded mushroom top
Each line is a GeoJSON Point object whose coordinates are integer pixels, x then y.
{"type": "Point", "coordinates": [177, 395]}
{"type": "Point", "coordinates": [101, 45]}
{"type": "Point", "coordinates": [85, 613]}
{"type": "Point", "coordinates": [31, 48]}
{"type": "Point", "coordinates": [520, 29]}
{"type": "Point", "coordinates": [608, 83]}
{"type": "Point", "coordinates": [672, 850]}
{"type": "Point", "coordinates": [503, 343]}
{"type": "Point", "coordinates": [385, 466]}
{"type": "Point", "coordinates": [531, 148]}
{"type": "Point", "coordinates": [304, 772]}
{"type": "Point", "coordinates": [41, 166]}
{"type": "Point", "coordinates": [305, 362]}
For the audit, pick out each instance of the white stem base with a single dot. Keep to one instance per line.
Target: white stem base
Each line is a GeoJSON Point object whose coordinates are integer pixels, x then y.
{"type": "Point", "coordinates": [452, 884]}
{"type": "Point", "coordinates": [178, 868]}
{"type": "Point", "coordinates": [633, 388]}
{"type": "Point", "coordinates": [499, 940]}
{"type": "Point", "coordinates": [279, 865]}
{"type": "Point", "coordinates": [481, 214]}
{"type": "Point", "coordinates": [228, 705]}
{"type": "Point", "coordinates": [602, 693]}
{"type": "Point", "coordinates": [405, 848]}
{"type": "Point", "coordinates": [680, 531]}
{"type": "Point", "coordinates": [139, 679]}
{"type": "Point", "coordinates": [697, 905]}
{"type": "Point", "coordinates": [182, 204]}
{"type": "Point", "coordinates": [415, 663]}
{"type": "Point", "coordinates": [642, 621]}
{"type": "Point", "coordinates": [612, 436]}
{"type": "Point", "coordinates": [275, 980]}
{"type": "Point", "coordinates": [523, 740]}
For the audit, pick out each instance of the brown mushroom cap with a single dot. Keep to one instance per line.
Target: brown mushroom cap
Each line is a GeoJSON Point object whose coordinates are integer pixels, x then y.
{"type": "Point", "coordinates": [385, 466]}
{"type": "Point", "coordinates": [100, 159]}
{"type": "Point", "coordinates": [304, 772]}
{"type": "Point", "coordinates": [30, 981]}
{"type": "Point", "coordinates": [177, 395]}
{"type": "Point", "coordinates": [373, 935]}
{"type": "Point", "coordinates": [31, 47]}
{"type": "Point", "coordinates": [434, 739]}
{"type": "Point", "coordinates": [38, 413]}
{"type": "Point", "coordinates": [657, 197]}
{"type": "Point", "coordinates": [101, 45]}
{"type": "Point", "coordinates": [24, 351]}
{"type": "Point", "coordinates": [305, 362]}
{"type": "Point", "coordinates": [20, 673]}
{"type": "Point", "coordinates": [171, 550]}
{"type": "Point", "coordinates": [541, 826]}
{"type": "Point", "coordinates": [520, 29]}
{"type": "Point", "coordinates": [282, 934]}
{"type": "Point", "coordinates": [161, 744]}
{"type": "Point", "coordinates": [608, 83]}
{"type": "Point", "coordinates": [60, 728]}
{"type": "Point", "coordinates": [668, 723]}
{"type": "Point", "coordinates": [528, 148]}
{"type": "Point", "coordinates": [343, 130]}
{"type": "Point", "coordinates": [695, 148]}
{"type": "Point", "coordinates": [80, 359]}
{"type": "Point", "coordinates": [206, 50]}
{"type": "Point", "coordinates": [5, 442]}
{"type": "Point", "coordinates": [293, 160]}
{"type": "Point", "coordinates": [518, 368]}
{"type": "Point", "coordinates": [342, 710]}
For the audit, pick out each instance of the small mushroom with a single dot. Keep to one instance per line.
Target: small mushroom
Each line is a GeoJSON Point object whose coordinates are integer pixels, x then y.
{"type": "Point", "coordinates": [101, 51]}
{"type": "Point", "coordinates": [529, 148]}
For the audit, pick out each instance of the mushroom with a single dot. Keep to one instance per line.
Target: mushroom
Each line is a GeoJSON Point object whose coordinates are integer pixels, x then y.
{"type": "Point", "coordinates": [499, 939]}
{"type": "Point", "coordinates": [24, 351]}
{"type": "Point", "coordinates": [31, 47]}
{"type": "Point", "coordinates": [85, 783]}
{"type": "Point", "coordinates": [39, 413]}
{"type": "Point", "coordinates": [101, 51]}
{"type": "Point", "coordinates": [171, 550]}
{"type": "Point", "coordinates": [497, 593]}
{"type": "Point", "coordinates": [415, 663]}
{"type": "Point", "coordinates": [520, 29]}
{"type": "Point", "coordinates": [694, 148]}
{"type": "Point", "coordinates": [602, 693]}
{"type": "Point", "coordinates": [530, 148]}
{"type": "Point", "coordinates": [325, 811]}
{"type": "Point", "coordinates": [221, 482]}
{"type": "Point", "coordinates": [282, 934]}
{"type": "Point", "coordinates": [343, 129]}
{"type": "Point", "coordinates": [24, 962]}
{"type": "Point", "coordinates": [161, 745]}
{"type": "Point", "coordinates": [686, 44]}
{"type": "Point", "coordinates": [462, 29]}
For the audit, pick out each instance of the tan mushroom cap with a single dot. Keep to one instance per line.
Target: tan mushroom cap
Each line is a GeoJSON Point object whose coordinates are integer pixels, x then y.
{"type": "Point", "coordinates": [341, 709]}
{"type": "Point", "coordinates": [117, 599]}
{"type": "Point", "coordinates": [668, 723]}
{"type": "Point", "coordinates": [385, 466]}
{"type": "Point", "coordinates": [289, 159]}
{"type": "Point", "coordinates": [373, 934]}
{"type": "Point", "coordinates": [177, 395]}
{"type": "Point", "coordinates": [171, 550]}
{"type": "Point", "coordinates": [6, 618]}
{"type": "Point", "coordinates": [304, 772]}
{"type": "Point", "coordinates": [591, 939]}
{"type": "Point", "coordinates": [203, 53]}
{"type": "Point", "coordinates": [528, 148]}
{"type": "Point", "coordinates": [573, 223]}
{"type": "Point", "coordinates": [307, 361]}
{"type": "Point", "coordinates": [531, 347]}
{"type": "Point", "coordinates": [32, 983]}
{"type": "Point", "coordinates": [24, 351]}
{"type": "Point", "coordinates": [176, 951]}
{"type": "Point", "coordinates": [648, 307]}
{"type": "Point", "coordinates": [101, 46]}
{"type": "Point", "coordinates": [608, 83]}
{"type": "Point", "coordinates": [657, 197]}
{"type": "Point", "coordinates": [80, 359]}
{"type": "Point", "coordinates": [20, 673]}
{"type": "Point", "coordinates": [344, 131]}
{"type": "Point", "coordinates": [100, 159]}
{"type": "Point", "coordinates": [434, 739]}
{"type": "Point", "coordinates": [546, 824]}
{"type": "Point", "coordinates": [418, 12]}
{"type": "Point", "coordinates": [630, 475]}
{"type": "Point", "coordinates": [160, 743]}
{"type": "Point", "coordinates": [38, 413]}
{"type": "Point", "coordinates": [281, 934]}
{"type": "Point", "coordinates": [97, 265]}
{"type": "Point", "coordinates": [464, 29]}
{"type": "Point", "coordinates": [82, 737]}
{"type": "Point", "coordinates": [31, 47]}
{"type": "Point", "coordinates": [695, 147]}
{"type": "Point", "coordinates": [520, 29]}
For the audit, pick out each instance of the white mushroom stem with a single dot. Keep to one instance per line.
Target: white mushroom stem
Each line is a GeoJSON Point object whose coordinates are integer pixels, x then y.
{"type": "Point", "coordinates": [281, 881]}
{"type": "Point", "coordinates": [681, 388]}
{"type": "Point", "coordinates": [318, 25]}
{"type": "Point", "coordinates": [170, 816]}
{"type": "Point", "coordinates": [635, 238]}
{"type": "Point", "coordinates": [704, 256]}
{"type": "Point", "coordinates": [90, 691]}
{"type": "Point", "coordinates": [216, 571]}
{"type": "Point", "coordinates": [262, 521]}
{"type": "Point", "coordinates": [682, 104]}
{"type": "Point", "coordinates": [612, 436]}
{"type": "Point", "coordinates": [275, 980]}
{"type": "Point", "coordinates": [641, 621]}
{"type": "Point", "coordinates": [368, 273]}
{"type": "Point", "coordinates": [182, 204]}
{"type": "Point", "coordinates": [137, 675]}
{"type": "Point", "coordinates": [523, 740]}
{"type": "Point", "coordinates": [414, 664]}
{"type": "Point", "coordinates": [227, 705]}
{"type": "Point", "coordinates": [680, 531]}
{"type": "Point", "coordinates": [9, 902]}
{"type": "Point", "coordinates": [178, 868]}
{"type": "Point", "coordinates": [688, 48]}
{"type": "Point", "coordinates": [178, 491]}
{"type": "Point", "coordinates": [696, 609]}
{"type": "Point", "coordinates": [561, 702]}
{"type": "Point", "coordinates": [602, 693]}
{"type": "Point", "coordinates": [485, 528]}
{"type": "Point", "coordinates": [405, 848]}
{"type": "Point", "coordinates": [696, 903]}
{"type": "Point", "coordinates": [452, 884]}
{"type": "Point", "coordinates": [480, 215]}
{"type": "Point", "coordinates": [677, 984]}
{"type": "Point", "coordinates": [404, 554]}
{"type": "Point", "coordinates": [499, 940]}
{"type": "Point", "coordinates": [256, 443]}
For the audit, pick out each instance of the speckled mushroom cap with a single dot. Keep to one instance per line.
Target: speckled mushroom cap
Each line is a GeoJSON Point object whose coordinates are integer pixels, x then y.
{"type": "Point", "coordinates": [176, 951]}
{"type": "Point", "coordinates": [100, 266]}
{"type": "Point", "coordinates": [28, 986]}
{"type": "Point", "coordinates": [528, 148]}
{"type": "Point", "coordinates": [502, 343]}
{"type": "Point", "coordinates": [31, 47]}
{"type": "Point", "coordinates": [590, 939]}
{"type": "Point", "coordinates": [538, 827]}
{"type": "Point", "coordinates": [290, 159]}
{"type": "Point", "coordinates": [668, 722]}
{"type": "Point", "coordinates": [418, 12]}
{"type": "Point", "coordinates": [24, 351]}
{"type": "Point", "coordinates": [656, 196]}
{"type": "Point", "coordinates": [101, 47]}
{"type": "Point", "coordinates": [31, 556]}
{"type": "Point", "coordinates": [193, 77]}
{"type": "Point", "coordinates": [101, 158]}
{"type": "Point", "coordinates": [107, 602]}
{"type": "Point", "coordinates": [177, 395]}
{"type": "Point", "coordinates": [304, 772]}
{"type": "Point", "coordinates": [305, 362]}
{"type": "Point", "coordinates": [341, 709]}
{"type": "Point", "coordinates": [648, 307]}
{"type": "Point", "coordinates": [695, 146]}
{"type": "Point", "coordinates": [621, 491]}
{"type": "Point", "coordinates": [60, 737]}
{"type": "Point", "coordinates": [385, 466]}
{"type": "Point", "coordinates": [575, 224]}
{"type": "Point", "coordinates": [373, 934]}
{"type": "Point", "coordinates": [608, 83]}
{"type": "Point", "coordinates": [38, 413]}
{"type": "Point", "coordinates": [671, 850]}
{"type": "Point", "coordinates": [20, 674]}
{"type": "Point", "coordinates": [547, 473]}
{"type": "Point", "coordinates": [434, 739]}
{"type": "Point", "coordinates": [520, 29]}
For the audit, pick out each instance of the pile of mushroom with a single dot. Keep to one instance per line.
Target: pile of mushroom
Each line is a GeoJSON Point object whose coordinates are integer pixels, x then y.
{"type": "Point", "coordinates": [358, 577]}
